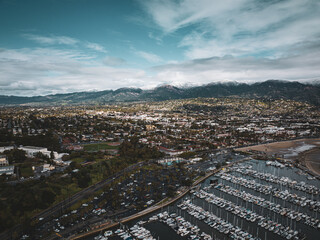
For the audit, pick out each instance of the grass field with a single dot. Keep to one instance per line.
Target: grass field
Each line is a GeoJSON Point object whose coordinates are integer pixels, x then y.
{"type": "Point", "coordinates": [98, 146]}
{"type": "Point", "coordinates": [78, 160]}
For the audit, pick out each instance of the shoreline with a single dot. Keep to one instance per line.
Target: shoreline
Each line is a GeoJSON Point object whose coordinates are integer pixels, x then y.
{"type": "Point", "coordinates": [307, 159]}
{"type": "Point", "coordinates": [276, 147]}
{"type": "Point", "coordinates": [154, 208]}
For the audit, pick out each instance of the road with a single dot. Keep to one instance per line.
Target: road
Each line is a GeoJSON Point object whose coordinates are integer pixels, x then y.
{"type": "Point", "coordinates": [48, 213]}
{"type": "Point", "coordinates": [58, 208]}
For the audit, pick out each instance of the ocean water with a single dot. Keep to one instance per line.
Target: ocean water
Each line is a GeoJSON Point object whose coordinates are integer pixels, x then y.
{"type": "Point", "coordinates": [293, 152]}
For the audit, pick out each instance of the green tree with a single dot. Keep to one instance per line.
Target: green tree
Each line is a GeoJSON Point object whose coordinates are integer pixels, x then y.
{"type": "Point", "coordinates": [51, 155]}
{"type": "Point", "coordinates": [83, 178]}
{"type": "Point", "coordinates": [16, 156]}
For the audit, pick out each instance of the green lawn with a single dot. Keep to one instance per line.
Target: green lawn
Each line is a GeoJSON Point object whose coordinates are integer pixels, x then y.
{"type": "Point", "coordinates": [78, 160]}
{"type": "Point", "coordinates": [98, 146]}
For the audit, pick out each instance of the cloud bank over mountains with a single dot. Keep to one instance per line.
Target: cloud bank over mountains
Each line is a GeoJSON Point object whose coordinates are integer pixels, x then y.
{"type": "Point", "coordinates": [244, 41]}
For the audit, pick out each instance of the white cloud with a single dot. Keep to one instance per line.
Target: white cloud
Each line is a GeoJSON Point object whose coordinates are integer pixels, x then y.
{"type": "Point", "coordinates": [42, 71]}
{"type": "Point", "coordinates": [299, 67]}
{"type": "Point", "coordinates": [158, 39]}
{"type": "Point", "coordinates": [64, 40]}
{"type": "Point", "coordinates": [114, 61]}
{"type": "Point", "coordinates": [243, 40]}
{"type": "Point", "coordinates": [172, 15]}
{"type": "Point", "coordinates": [51, 40]}
{"type": "Point", "coordinates": [95, 46]}
{"type": "Point", "coordinates": [238, 28]}
{"type": "Point", "coordinates": [150, 57]}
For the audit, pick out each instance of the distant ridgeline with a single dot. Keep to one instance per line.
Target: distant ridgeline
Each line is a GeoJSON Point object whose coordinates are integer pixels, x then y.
{"type": "Point", "coordinates": [271, 89]}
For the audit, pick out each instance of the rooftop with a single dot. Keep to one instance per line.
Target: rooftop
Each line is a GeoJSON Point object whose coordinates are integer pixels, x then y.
{"type": "Point", "coordinates": [32, 147]}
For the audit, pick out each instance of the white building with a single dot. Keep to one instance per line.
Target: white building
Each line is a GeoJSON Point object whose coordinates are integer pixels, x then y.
{"type": "Point", "coordinates": [9, 170]}
{"type": "Point", "coordinates": [170, 152]}
{"type": "Point", "coordinates": [2, 149]}
{"type": "Point", "coordinates": [48, 167]}
{"type": "Point", "coordinates": [170, 160]}
{"type": "Point", "coordinates": [32, 151]}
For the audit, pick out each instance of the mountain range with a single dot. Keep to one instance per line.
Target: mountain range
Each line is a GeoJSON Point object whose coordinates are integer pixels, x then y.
{"type": "Point", "coordinates": [271, 89]}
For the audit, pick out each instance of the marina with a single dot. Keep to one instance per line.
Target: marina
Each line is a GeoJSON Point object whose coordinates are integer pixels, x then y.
{"type": "Point", "coordinates": [252, 200]}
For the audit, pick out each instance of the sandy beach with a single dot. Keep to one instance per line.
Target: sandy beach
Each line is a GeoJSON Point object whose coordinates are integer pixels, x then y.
{"type": "Point", "coordinates": [268, 148]}
{"type": "Point", "coordinates": [307, 151]}
{"type": "Point", "coordinates": [312, 160]}
{"type": "Point", "coordinates": [279, 147]}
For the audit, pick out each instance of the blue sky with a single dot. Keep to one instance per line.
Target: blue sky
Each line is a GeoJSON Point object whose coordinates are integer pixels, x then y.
{"type": "Point", "coordinates": [59, 46]}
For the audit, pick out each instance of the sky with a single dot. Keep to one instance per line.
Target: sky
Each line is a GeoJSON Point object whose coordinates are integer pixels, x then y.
{"type": "Point", "coordinates": [62, 46]}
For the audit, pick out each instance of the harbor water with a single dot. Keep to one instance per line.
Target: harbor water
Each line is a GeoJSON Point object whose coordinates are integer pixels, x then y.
{"type": "Point", "coordinates": [237, 207]}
